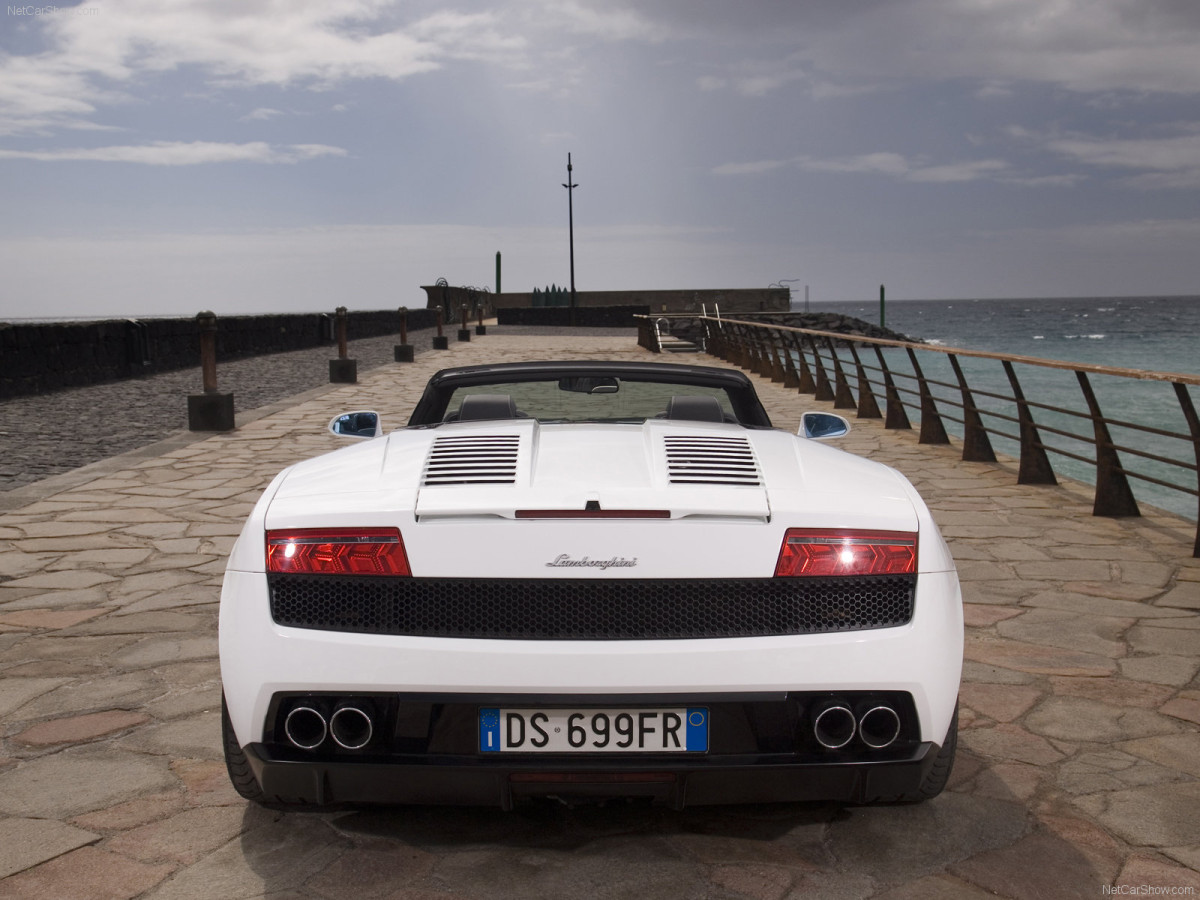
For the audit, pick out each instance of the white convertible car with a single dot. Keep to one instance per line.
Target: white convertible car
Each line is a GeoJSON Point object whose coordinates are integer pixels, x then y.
{"type": "Point", "coordinates": [589, 579]}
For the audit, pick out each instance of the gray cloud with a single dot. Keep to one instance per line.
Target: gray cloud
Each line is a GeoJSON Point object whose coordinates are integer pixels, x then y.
{"type": "Point", "coordinates": [180, 153]}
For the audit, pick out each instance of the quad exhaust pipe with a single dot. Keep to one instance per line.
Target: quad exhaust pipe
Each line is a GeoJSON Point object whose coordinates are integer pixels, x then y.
{"type": "Point", "coordinates": [305, 727]}
{"type": "Point", "coordinates": [879, 727]}
{"type": "Point", "coordinates": [835, 726]}
{"type": "Point", "coordinates": [350, 726]}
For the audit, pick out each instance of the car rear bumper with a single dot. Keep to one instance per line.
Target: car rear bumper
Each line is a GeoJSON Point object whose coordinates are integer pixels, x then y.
{"type": "Point", "coordinates": [473, 782]}
{"type": "Point", "coordinates": [260, 659]}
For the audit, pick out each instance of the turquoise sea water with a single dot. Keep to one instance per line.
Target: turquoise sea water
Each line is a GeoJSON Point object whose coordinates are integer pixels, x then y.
{"type": "Point", "coordinates": [1151, 333]}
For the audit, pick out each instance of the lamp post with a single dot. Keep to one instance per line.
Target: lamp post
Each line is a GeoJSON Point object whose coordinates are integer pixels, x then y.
{"type": "Point", "coordinates": [570, 186]}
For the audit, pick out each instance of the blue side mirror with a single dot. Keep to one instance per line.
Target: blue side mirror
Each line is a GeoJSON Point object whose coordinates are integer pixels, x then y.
{"type": "Point", "coordinates": [362, 424]}
{"type": "Point", "coordinates": [820, 426]}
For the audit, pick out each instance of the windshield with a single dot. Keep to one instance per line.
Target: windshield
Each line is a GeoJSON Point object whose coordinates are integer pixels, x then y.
{"type": "Point", "coordinates": [591, 399]}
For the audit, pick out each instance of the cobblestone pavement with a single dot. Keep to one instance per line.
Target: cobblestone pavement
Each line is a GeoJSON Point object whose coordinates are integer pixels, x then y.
{"type": "Point", "coordinates": [1079, 756]}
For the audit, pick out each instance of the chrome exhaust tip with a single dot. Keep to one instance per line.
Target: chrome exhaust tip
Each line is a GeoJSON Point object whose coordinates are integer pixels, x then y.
{"type": "Point", "coordinates": [351, 727]}
{"type": "Point", "coordinates": [879, 727]}
{"type": "Point", "coordinates": [834, 726]}
{"type": "Point", "coordinates": [305, 728]}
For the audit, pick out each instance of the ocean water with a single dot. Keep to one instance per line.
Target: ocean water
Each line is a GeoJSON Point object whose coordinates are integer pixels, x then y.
{"type": "Point", "coordinates": [1148, 333]}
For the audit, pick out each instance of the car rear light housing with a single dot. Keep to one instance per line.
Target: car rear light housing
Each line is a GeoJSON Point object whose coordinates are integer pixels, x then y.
{"type": "Point", "coordinates": [813, 553]}
{"type": "Point", "coordinates": [337, 551]}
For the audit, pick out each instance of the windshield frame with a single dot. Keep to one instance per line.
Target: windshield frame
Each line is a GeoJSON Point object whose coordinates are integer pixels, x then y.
{"type": "Point", "coordinates": [747, 408]}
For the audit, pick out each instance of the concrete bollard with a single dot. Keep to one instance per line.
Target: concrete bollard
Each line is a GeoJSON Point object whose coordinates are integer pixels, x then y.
{"type": "Point", "coordinates": [480, 328]}
{"type": "Point", "coordinates": [403, 351]}
{"type": "Point", "coordinates": [440, 341]}
{"type": "Point", "coordinates": [464, 333]}
{"type": "Point", "coordinates": [210, 411]}
{"type": "Point", "coordinates": [342, 370]}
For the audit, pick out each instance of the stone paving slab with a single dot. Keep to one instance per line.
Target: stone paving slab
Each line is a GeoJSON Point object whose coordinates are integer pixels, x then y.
{"type": "Point", "coordinates": [1079, 755]}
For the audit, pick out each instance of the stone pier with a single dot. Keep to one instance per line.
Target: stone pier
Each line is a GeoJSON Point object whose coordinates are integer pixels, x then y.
{"type": "Point", "coordinates": [1079, 756]}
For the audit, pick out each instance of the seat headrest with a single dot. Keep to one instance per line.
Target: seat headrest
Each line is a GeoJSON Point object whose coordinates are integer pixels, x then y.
{"type": "Point", "coordinates": [695, 409]}
{"type": "Point", "coordinates": [478, 407]}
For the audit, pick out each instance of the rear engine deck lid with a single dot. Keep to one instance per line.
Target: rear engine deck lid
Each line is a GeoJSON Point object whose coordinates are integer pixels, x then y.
{"type": "Point", "coordinates": [523, 467]}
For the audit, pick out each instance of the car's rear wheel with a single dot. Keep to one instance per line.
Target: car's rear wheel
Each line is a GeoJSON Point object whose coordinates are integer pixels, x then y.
{"type": "Point", "coordinates": [935, 781]}
{"type": "Point", "coordinates": [236, 763]}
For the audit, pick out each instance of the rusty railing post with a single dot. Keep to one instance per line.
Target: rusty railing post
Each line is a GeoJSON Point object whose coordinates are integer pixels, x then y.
{"type": "Point", "coordinates": [1035, 464]}
{"type": "Point", "coordinates": [746, 359]}
{"type": "Point", "coordinates": [867, 407]}
{"type": "Point", "coordinates": [808, 384]}
{"type": "Point", "coordinates": [823, 389]}
{"type": "Point", "coordinates": [842, 397]}
{"type": "Point", "coordinates": [778, 375]}
{"type": "Point", "coordinates": [740, 353]}
{"type": "Point", "coordinates": [1114, 496]}
{"type": "Point", "coordinates": [211, 410]}
{"type": "Point", "coordinates": [1193, 423]}
{"type": "Point", "coordinates": [791, 378]}
{"type": "Point", "coordinates": [753, 349]}
{"type": "Point", "coordinates": [976, 445]}
{"type": "Point", "coordinates": [897, 417]}
{"type": "Point", "coordinates": [932, 429]}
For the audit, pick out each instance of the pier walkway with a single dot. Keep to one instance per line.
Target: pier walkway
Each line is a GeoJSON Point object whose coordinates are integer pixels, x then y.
{"type": "Point", "coordinates": [1079, 756]}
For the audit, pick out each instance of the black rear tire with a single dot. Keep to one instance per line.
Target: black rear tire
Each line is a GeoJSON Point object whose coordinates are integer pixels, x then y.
{"type": "Point", "coordinates": [943, 764]}
{"type": "Point", "coordinates": [240, 773]}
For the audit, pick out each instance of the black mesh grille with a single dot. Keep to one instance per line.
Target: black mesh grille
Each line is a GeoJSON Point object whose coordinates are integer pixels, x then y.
{"type": "Point", "coordinates": [590, 609]}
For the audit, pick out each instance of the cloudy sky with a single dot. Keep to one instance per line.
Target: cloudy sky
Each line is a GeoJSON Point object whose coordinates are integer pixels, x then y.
{"type": "Point", "coordinates": [166, 156]}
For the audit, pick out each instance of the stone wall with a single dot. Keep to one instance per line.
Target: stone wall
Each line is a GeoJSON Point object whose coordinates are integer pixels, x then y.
{"type": "Point", "coordinates": [40, 357]}
{"type": "Point", "coordinates": [585, 316]}
{"type": "Point", "coordinates": [731, 300]}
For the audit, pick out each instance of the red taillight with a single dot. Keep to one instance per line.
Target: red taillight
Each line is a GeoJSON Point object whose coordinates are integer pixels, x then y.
{"type": "Point", "coordinates": [337, 551]}
{"type": "Point", "coordinates": [816, 553]}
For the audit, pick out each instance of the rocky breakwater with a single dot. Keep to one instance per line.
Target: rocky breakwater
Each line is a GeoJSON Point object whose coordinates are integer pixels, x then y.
{"type": "Point", "coordinates": [693, 329]}
{"type": "Point", "coordinates": [836, 322]}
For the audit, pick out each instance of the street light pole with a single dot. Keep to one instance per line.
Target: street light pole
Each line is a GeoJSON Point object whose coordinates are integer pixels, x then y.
{"type": "Point", "coordinates": [570, 186]}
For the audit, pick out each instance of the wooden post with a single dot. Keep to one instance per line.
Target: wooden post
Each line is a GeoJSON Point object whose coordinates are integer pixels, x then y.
{"type": "Point", "coordinates": [211, 410]}
{"type": "Point", "coordinates": [342, 370]}
{"type": "Point", "coordinates": [208, 350]}
{"type": "Point", "coordinates": [403, 352]}
{"type": "Point", "coordinates": [439, 340]}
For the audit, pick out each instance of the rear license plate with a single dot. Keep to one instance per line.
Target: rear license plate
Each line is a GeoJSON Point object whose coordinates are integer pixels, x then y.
{"type": "Point", "coordinates": [675, 730]}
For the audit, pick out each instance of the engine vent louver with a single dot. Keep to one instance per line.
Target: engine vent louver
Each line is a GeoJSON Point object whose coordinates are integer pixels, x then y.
{"type": "Point", "coordinates": [694, 459]}
{"type": "Point", "coordinates": [473, 459]}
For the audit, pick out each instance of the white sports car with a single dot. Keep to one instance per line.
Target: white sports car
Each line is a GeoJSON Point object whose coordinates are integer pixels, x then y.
{"type": "Point", "coordinates": [582, 579]}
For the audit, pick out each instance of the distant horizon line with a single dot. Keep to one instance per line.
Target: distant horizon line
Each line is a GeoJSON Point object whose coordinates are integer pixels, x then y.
{"type": "Point", "coordinates": [112, 317]}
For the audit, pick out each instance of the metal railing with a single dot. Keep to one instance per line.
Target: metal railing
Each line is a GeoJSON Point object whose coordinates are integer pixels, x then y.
{"type": "Point", "coordinates": [932, 383]}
